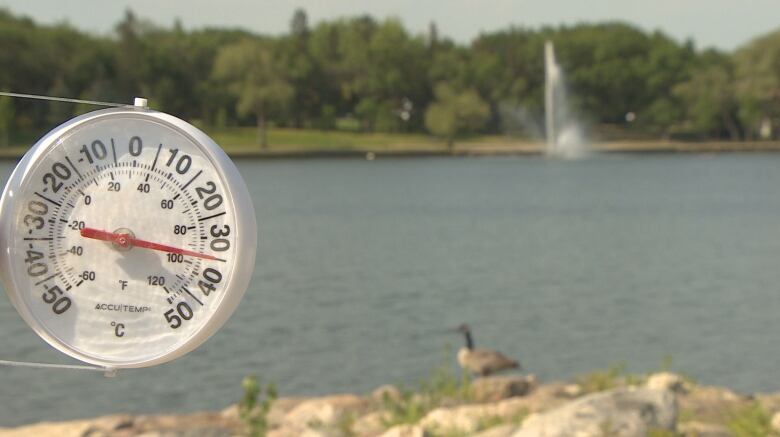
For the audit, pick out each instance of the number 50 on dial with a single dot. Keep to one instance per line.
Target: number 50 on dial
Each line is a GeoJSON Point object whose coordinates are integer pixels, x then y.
{"type": "Point", "coordinates": [129, 237]}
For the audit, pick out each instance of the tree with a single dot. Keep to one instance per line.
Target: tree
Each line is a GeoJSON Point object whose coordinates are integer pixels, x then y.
{"type": "Point", "coordinates": [253, 76]}
{"type": "Point", "coordinates": [129, 60]}
{"type": "Point", "coordinates": [6, 120]}
{"type": "Point", "coordinates": [58, 112]}
{"type": "Point", "coordinates": [395, 74]}
{"type": "Point", "coordinates": [455, 113]}
{"type": "Point", "coordinates": [433, 35]}
{"type": "Point", "coordinates": [372, 69]}
{"type": "Point", "coordinates": [383, 76]}
{"type": "Point", "coordinates": [299, 25]}
{"type": "Point", "coordinates": [300, 70]}
{"type": "Point", "coordinates": [758, 81]}
{"type": "Point", "coordinates": [709, 97]}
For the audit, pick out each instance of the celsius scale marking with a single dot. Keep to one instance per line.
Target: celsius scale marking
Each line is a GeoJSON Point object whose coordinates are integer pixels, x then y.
{"type": "Point", "coordinates": [130, 237]}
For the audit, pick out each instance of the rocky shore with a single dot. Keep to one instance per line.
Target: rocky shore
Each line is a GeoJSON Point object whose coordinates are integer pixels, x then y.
{"type": "Point", "coordinates": [601, 404]}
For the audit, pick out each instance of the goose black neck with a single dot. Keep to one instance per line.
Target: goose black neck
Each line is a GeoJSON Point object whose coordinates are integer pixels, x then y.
{"type": "Point", "coordinates": [469, 341]}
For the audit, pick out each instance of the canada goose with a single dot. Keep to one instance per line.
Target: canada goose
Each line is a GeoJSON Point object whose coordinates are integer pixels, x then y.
{"type": "Point", "coordinates": [481, 362]}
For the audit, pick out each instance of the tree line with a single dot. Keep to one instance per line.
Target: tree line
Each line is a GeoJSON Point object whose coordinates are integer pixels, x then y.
{"type": "Point", "coordinates": [372, 75]}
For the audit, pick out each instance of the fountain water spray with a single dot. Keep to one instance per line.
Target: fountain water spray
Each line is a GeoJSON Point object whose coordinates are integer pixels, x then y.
{"type": "Point", "coordinates": [563, 133]}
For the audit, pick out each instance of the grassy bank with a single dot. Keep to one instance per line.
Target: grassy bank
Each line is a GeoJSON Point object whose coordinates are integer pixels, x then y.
{"type": "Point", "coordinates": [242, 142]}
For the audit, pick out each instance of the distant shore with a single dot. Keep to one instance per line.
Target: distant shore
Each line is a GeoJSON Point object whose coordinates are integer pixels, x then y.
{"type": "Point", "coordinates": [661, 405]}
{"type": "Point", "coordinates": [484, 147]}
{"type": "Point", "coordinates": [498, 148]}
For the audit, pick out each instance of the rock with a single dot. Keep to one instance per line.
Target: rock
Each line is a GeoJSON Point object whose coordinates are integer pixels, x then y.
{"type": "Point", "coordinates": [776, 422]}
{"type": "Point", "coordinates": [547, 396]}
{"type": "Point", "coordinates": [386, 392]}
{"type": "Point", "coordinates": [496, 388]}
{"type": "Point", "coordinates": [498, 431]}
{"type": "Point", "coordinates": [624, 412]}
{"type": "Point", "coordinates": [701, 429]}
{"type": "Point", "coordinates": [572, 390]}
{"type": "Point", "coordinates": [463, 419]}
{"type": "Point", "coordinates": [469, 418]}
{"type": "Point", "coordinates": [667, 381]}
{"type": "Point", "coordinates": [230, 412]}
{"type": "Point", "coordinates": [283, 431]}
{"type": "Point", "coordinates": [279, 409]}
{"type": "Point", "coordinates": [770, 401]}
{"type": "Point", "coordinates": [324, 412]}
{"type": "Point", "coordinates": [309, 432]}
{"type": "Point", "coordinates": [405, 431]}
{"type": "Point", "coordinates": [110, 424]}
{"type": "Point", "coordinates": [106, 425]}
{"type": "Point", "coordinates": [301, 432]}
{"type": "Point", "coordinates": [370, 424]}
{"type": "Point", "coordinates": [709, 404]}
{"type": "Point", "coordinates": [204, 423]}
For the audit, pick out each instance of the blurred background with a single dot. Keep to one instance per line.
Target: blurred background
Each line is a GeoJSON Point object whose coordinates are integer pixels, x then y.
{"type": "Point", "coordinates": [690, 71]}
{"type": "Point", "coordinates": [647, 260]}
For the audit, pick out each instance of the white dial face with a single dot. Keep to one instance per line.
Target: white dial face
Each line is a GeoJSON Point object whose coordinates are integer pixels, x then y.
{"type": "Point", "coordinates": [125, 240]}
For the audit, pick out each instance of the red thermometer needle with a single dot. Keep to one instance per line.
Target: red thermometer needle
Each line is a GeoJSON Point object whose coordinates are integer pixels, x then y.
{"type": "Point", "coordinates": [127, 240]}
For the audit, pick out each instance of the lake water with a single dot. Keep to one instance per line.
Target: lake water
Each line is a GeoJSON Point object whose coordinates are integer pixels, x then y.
{"type": "Point", "coordinates": [568, 266]}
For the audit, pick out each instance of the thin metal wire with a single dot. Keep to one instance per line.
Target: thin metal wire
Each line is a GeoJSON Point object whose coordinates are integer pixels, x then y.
{"type": "Point", "coordinates": [108, 372]}
{"type": "Point", "coordinates": [63, 99]}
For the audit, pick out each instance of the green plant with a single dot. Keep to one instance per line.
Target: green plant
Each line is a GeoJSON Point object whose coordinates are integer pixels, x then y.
{"type": "Point", "coordinates": [443, 385]}
{"type": "Point", "coordinates": [666, 363]}
{"type": "Point", "coordinates": [255, 405]}
{"type": "Point", "coordinates": [409, 407]}
{"type": "Point", "coordinates": [488, 422]}
{"type": "Point", "coordinates": [686, 415]}
{"type": "Point", "coordinates": [601, 380]}
{"type": "Point", "coordinates": [632, 379]}
{"type": "Point", "coordinates": [455, 112]}
{"type": "Point", "coordinates": [751, 421]}
{"type": "Point", "coordinates": [345, 423]}
{"type": "Point", "coordinates": [606, 429]}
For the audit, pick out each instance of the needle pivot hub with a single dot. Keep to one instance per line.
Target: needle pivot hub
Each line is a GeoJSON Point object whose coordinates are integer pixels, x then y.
{"type": "Point", "coordinates": [123, 239]}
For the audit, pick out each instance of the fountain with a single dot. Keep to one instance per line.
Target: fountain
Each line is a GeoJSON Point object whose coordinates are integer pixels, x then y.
{"type": "Point", "coordinates": [563, 133]}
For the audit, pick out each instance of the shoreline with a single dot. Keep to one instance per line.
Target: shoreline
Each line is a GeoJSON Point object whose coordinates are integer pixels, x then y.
{"type": "Point", "coordinates": [467, 149]}
{"type": "Point", "coordinates": [480, 149]}
{"type": "Point", "coordinates": [663, 404]}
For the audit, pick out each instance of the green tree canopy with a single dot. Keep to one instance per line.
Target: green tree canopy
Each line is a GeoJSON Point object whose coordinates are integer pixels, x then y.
{"type": "Point", "coordinates": [255, 79]}
{"type": "Point", "coordinates": [455, 113]}
{"type": "Point", "coordinates": [758, 82]}
{"type": "Point", "coordinates": [709, 97]}
{"type": "Point", "coordinates": [376, 75]}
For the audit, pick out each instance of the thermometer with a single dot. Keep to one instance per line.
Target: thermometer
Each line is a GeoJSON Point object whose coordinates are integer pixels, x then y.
{"type": "Point", "coordinates": [128, 237]}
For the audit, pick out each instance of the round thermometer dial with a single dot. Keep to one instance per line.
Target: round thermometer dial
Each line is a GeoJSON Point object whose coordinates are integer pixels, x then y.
{"type": "Point", "coordinates": [129, 237]}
